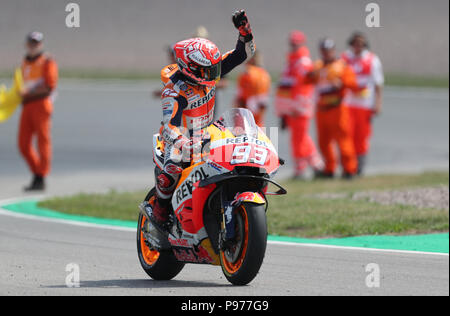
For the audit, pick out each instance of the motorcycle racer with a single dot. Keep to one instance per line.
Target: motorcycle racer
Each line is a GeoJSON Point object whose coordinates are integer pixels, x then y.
{"type": "Point", "coordinates": [188, 101]}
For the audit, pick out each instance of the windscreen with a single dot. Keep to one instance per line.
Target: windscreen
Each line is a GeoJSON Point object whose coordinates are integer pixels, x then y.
{"type": "Point", "coordinates": [240, 121]}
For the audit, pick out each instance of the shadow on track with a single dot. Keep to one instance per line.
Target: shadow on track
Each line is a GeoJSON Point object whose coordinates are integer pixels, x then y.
{"type": "Point", "coordinates": [142, 283]}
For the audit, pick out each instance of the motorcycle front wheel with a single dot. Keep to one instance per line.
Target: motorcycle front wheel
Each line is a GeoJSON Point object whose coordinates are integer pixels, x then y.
{"type": "Point", "coordinates": [243, 259]}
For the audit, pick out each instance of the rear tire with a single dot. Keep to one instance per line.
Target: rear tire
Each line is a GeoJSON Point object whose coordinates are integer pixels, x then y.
{"type": "Point", "coordinates": [159, 265]}
{"type": "Point", "coordinates": [246, 267]}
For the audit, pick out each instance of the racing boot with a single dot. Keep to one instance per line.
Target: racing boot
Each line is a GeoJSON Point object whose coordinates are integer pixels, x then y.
{"type": "Point", "coordinates": [160, 214]}
{"type": "Point", "coordinates": [165, 186]}
{"type": "Point", "coordinates": [157, 227]}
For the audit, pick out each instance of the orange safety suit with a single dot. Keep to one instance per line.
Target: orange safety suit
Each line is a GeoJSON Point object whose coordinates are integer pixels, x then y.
{"type": "Point", "coordinates": [253, 91]}
{"type": "Point", "coordinates": [369, 74]}
{"type": "Point", "coordinates": [36, 114]}
{"type": "Point", "coordinates": [294, 102]}
{"type": "Point", "coordinates": [333, 81]}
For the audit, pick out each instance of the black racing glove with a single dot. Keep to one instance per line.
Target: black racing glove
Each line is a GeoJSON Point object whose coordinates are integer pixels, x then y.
{"type": "Point", "coordinates": [240, 21]}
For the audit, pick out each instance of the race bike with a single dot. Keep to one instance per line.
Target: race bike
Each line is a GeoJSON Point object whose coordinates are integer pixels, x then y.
{"type": "Point", "coordinates": [218, 209]}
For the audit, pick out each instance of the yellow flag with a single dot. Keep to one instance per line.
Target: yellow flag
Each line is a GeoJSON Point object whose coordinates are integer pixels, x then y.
{"type": "Point", "coordinates": [10, 99]}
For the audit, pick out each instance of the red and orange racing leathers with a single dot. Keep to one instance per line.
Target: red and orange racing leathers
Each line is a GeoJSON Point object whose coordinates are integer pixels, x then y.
{"type": "Point", "coordinates": [187, 110]}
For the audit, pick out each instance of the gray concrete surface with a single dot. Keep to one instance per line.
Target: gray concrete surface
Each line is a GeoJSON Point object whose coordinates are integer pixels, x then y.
{"type": "Point", "coordinates": [34, 255]}
{"type": "Point", "coordinates": [102, 137]}
{"type": "Point", "coordinates": [131, 35]}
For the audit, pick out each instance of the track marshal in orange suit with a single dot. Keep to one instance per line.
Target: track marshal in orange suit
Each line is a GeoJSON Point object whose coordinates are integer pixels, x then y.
{"type": "Point", "coordinates": [40, 74]}
{"type": "Point", "coordinates": [294, 104]}
{"type": "Point", "coordinates": [254, 88]}
{"type": "Point", "coordinates": [334, 79]}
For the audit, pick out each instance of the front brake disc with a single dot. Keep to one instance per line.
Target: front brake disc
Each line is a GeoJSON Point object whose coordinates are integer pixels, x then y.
{"type": "Point", "coordinates": [233, 251]}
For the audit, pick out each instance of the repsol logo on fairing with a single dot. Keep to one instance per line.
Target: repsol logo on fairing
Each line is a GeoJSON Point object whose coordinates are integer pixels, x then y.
{"type": "Point", "coordinates": [203, 100]}
{"type": "Point", "coordinates": [245, 139]}
{"type": "Point", "coordinates": [185, 190]}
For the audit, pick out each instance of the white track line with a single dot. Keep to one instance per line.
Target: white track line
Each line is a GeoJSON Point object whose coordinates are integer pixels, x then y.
{"type": "Point", "coordinates": [129, 229]}
{"type": "Point", "coordinates": [357, 248]}
{"type": "Point", "coordinates": [53, 220]}
{"type": "Point", "coordinates": [64, 221]}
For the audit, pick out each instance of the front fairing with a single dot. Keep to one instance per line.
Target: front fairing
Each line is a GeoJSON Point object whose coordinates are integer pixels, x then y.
{"type": "Point", "coordinates": [236, 141]}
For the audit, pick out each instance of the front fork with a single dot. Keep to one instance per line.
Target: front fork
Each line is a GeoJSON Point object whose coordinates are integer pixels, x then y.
{"type": "Point", "coordinates": [228, 226]}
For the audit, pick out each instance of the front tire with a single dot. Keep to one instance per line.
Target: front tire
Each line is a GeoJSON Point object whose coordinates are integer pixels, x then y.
{"type": "Point", "coordinates": [252, 226]}
{"type": "Point", "coordinates": [159, 265]}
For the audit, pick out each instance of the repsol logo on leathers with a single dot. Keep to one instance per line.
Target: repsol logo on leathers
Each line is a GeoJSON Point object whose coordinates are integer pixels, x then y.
{"type": "Point", "coordinates": [203, 100]}
{"type": "Point", "coordinates": [185, 190]}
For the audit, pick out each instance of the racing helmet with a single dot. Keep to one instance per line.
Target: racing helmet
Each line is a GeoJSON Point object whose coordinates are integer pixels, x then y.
{"type": "Point", "coordinates": [199, 60]}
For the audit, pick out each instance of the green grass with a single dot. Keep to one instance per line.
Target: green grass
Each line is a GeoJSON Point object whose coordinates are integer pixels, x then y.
{"type": "Point", "coordinates": [112, 205]}
{"type": "Point", "coordinates": [94, 74]}
{"type": "Point", "coordinates": [343, 217]}
{"type": "Point", "coordinates": [300, 213]}
{"type": "Point", "coordinates": [392, 79]}
{"type": "Point", "coordinates": [403, 80]}
{"type": "Point", "coordinates": [379, 182]}
{"type": "Point", "coordinates": [106, 74]}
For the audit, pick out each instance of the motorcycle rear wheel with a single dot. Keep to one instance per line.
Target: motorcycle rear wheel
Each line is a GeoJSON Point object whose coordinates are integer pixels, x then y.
{"type": "Point", "coordinates": [159, 265]}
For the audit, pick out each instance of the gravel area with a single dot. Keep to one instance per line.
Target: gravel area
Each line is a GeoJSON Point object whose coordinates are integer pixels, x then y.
{"type": "Point", "coordinates": [431, 197]}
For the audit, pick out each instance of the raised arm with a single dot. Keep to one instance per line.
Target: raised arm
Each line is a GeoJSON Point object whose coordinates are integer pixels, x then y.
{"type": "Point", "coordinates": [245, 47]}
